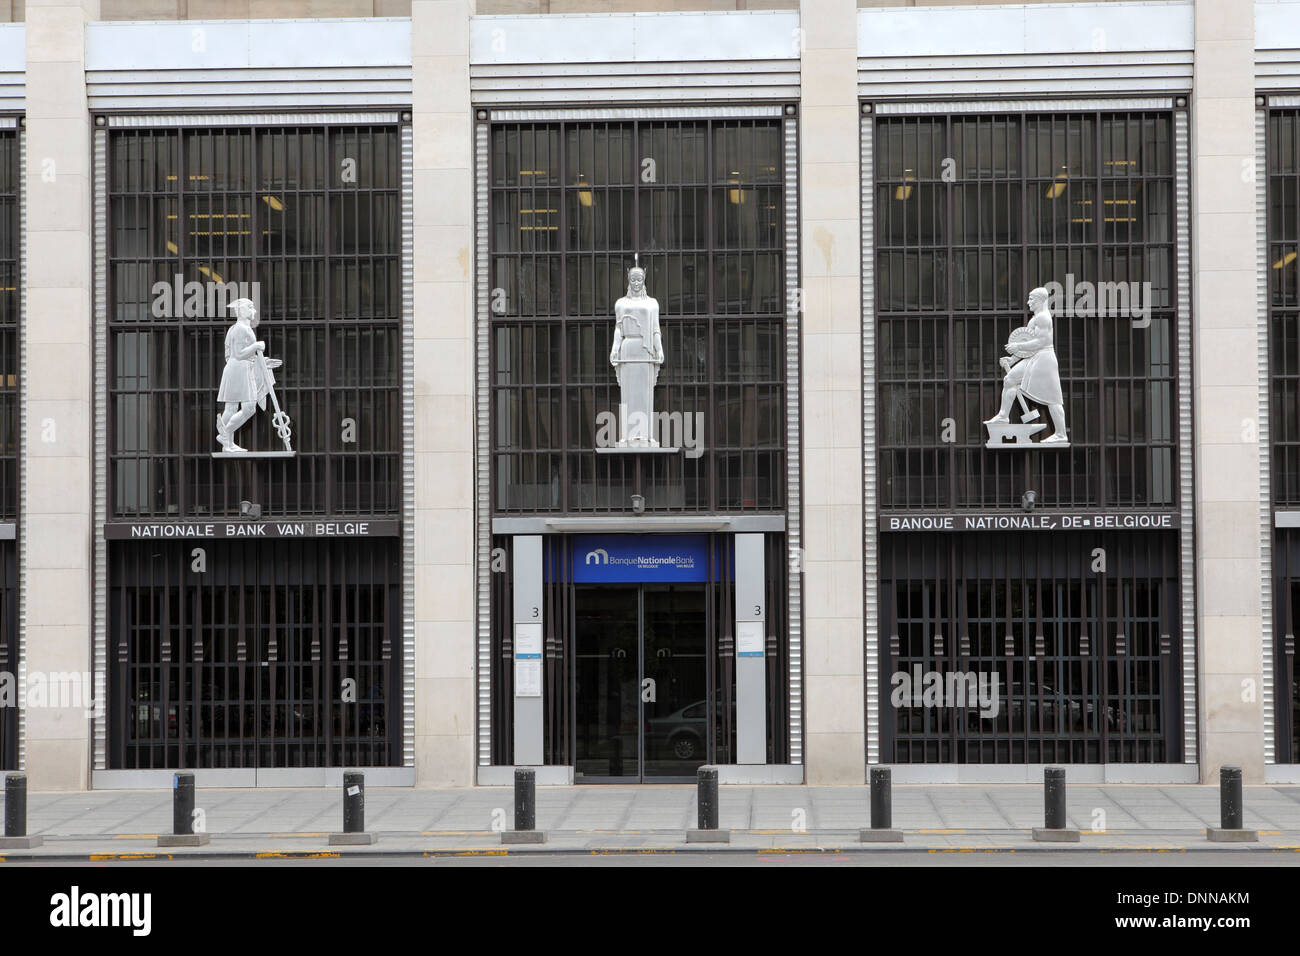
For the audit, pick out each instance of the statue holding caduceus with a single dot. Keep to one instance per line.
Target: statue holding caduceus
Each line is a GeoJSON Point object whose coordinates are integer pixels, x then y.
{"type": "Point", "coordinates": [247, 381]}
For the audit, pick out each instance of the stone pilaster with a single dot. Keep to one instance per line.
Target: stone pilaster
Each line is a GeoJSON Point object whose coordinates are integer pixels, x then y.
{"type": "Point", "coordinates": [1226, 390]}
{"type": "Point", "coordinates": [57, 446]}
{"type": "Point", "coordinates": [832, 394]}
{"type": "Point", "coordinates": [444, 393]}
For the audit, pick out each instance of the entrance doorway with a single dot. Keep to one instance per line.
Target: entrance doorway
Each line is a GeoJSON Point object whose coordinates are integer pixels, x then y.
{"type": "Point", "coordinates": [640, 684]}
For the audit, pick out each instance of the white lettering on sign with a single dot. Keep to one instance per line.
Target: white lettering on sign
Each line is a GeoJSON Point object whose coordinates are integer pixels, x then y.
{"type": "Point", "coordinates": [1045, 521]}
{"type": "Point", "coordinates": [921, 524]}
{"type": "Point", "coordinates": [172, 531]}
{"type": "Point", "coordinates": [341, 527]}
{"type": "Point", "coordinates": [1133, 521]}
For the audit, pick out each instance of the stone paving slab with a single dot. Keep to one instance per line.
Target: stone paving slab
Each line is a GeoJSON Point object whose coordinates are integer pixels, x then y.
{"type": "Point", "coordinates": [668, 808]}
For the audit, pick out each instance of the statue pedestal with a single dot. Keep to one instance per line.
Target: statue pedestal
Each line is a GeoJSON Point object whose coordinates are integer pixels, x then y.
{"type": "Point", "coordinates": [637, 450]}
{"type": "Point", "coordinates": [1012, 436]}
{"type": "Point", "coordinates": [253, 454]}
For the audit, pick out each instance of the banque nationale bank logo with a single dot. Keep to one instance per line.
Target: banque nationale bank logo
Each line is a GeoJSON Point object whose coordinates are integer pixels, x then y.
{"type": "Point", "coordinates": [75, 909]}
{"type": "Point", "coordinates": [678, 562]}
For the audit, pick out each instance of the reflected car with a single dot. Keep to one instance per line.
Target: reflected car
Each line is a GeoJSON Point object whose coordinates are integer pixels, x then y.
{"type": "Point", "coordinates": [1058, 714]}
{"type": "Point", "coordinates": [680, 734]}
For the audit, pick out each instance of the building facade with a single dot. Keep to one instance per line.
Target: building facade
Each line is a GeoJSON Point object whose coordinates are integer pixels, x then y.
{"type": "Point", "coordinates": [896, 509]}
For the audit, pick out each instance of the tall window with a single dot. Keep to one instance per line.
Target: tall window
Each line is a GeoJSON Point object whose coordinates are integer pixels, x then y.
{"type": "Point", "coordinates": [10, 438]}
{"type": "Point", "coordinates": [196, 216]}
{"type": "Point", "coordinates": [257, 653]}
{"type": "Point", "coordinates": [974, 211]}
{"type": "Point", "coordinates": [702, 204]}
{"type": "Point", "coordinates": [1283, 230]}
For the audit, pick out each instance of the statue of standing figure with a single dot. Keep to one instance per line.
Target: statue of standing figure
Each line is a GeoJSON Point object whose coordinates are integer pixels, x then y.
{"type": "Point", "coordinates": [637, 353]}
{"type": "Point", "coordinates": [247, 378]}
{"type": "Point", "coordinates": [1031, 373]}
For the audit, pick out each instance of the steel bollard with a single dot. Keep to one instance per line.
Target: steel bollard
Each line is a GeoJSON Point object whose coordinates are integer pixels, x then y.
{"type": "Point", "coordinates": [15, 804]}
{"type": "Point", "coordinates": [706, 813]}
{"type": "Point", "coordinates": [882, 803]}
{"type": "Point", "coordinates": [1054, 798]}
{"type": "Point", "coordinates": [16, 837]}
{"type": "Point", "coordinates": [354, 812]}
{"type": "Point", "coordinates": [183, 791]}
{"type": "Point", "coordinates": [707, 798]}
{"type": "Point", "coordinates": [882, 810]}
{"type": "Point", "coordinates": [1231, 811]}
{"type": "Point", "coordinates": [1054, 829]}
{"type": "Point", "coordinates": [525, 798]}
{"type": "Point", "coordinates": [183, 803]}
{"type": "Point", "coordinates": [354, 801]}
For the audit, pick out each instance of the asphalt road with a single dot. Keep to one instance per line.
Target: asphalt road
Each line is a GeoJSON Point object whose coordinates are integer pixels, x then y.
{"type": "Point", "coordinates": [1189, 858]}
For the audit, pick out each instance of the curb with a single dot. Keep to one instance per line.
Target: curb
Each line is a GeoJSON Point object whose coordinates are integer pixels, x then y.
{"type": "Point", "coordinates": [499, 851]}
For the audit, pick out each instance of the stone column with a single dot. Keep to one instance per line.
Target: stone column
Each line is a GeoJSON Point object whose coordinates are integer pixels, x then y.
{"type": "Point", "coordinates": [444, 393]}
{"type": "Point", "coordinates": [832, 398]}
{"type": "Point", "coordinates": [56, 494]}
{"type": "Point", "coordinates": [1226, 390]}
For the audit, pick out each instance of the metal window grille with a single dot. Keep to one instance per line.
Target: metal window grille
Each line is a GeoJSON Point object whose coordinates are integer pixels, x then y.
{"type": "Point", "coordinates": [1282, 192]}
{"type": "Point", "coordinates": [311, 215]}
{"type": "Point", "coordinates": [10, 435]}
{"type": "Point", "coordinates": [1084, 665]}
{"type": "Point", "coordinates": [276, 654]}
{"type": "Point", "coordinates": [702, 204]}
{"type": "Point", "coordinates": [971, 212]}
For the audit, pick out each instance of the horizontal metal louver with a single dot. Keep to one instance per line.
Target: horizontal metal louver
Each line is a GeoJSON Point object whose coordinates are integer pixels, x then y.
{"type": "Point", "coordinates": [242, 65]}
{"type": "Point", "coordinates": [1277, 42]}
{"type": "Point", "coordinates": [13, 67]}
{"type": "Point", "coordinates": [1089, 49]}
{"type": "Point", "coordinates": [618, 58]}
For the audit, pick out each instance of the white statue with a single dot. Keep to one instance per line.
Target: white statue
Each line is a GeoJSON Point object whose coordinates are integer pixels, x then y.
{"type": "Point", "coordinates": [247, 380]}
{"type": "Point", "coordinates": [636, 356]}
{"type": "Point", "coordinates": [1031, 373]}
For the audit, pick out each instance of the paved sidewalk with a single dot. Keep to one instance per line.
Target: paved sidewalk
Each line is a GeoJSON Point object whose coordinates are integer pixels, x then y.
{"type": "Point", "coordinates": [1272, 849]}
{"type": "Point", "coordinates": [611, 818]}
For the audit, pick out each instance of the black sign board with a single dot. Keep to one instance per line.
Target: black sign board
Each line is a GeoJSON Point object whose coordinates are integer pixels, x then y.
{"type": "Point", "coordinates": [349, 528]}
{"type": "Point", "coordinates": [1033, 521]}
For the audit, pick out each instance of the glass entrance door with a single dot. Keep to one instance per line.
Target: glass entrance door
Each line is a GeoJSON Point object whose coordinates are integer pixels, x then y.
{"type": "Point", "coordinates": [641, 686]}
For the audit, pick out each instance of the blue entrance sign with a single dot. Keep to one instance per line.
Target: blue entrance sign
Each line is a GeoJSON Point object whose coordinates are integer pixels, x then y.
{"type": "Point", "coordinates": [639, 558]}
